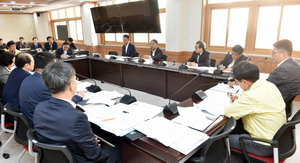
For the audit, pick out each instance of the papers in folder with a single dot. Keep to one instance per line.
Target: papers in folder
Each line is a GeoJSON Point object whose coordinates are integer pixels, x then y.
{"type": "Point", "coordinates": [170, 134]}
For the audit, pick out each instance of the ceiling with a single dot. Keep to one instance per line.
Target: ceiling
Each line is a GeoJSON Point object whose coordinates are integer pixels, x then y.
{"type": "Point", "coordinates": [30, 6]}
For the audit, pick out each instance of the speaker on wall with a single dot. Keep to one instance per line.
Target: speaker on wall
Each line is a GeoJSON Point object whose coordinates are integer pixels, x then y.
{"type": "Point", "coordinates": [38, 14]}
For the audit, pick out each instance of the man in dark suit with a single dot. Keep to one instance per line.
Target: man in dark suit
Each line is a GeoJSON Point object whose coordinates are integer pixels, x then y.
{"type": "Point", "coordinates": [128, 49]}
{"type": "Point", "coordinates": [64, 52]}
{"type": "Point", "coordinates": [2, 45]}
{"type": "Point", "coordinates": [30, 96]}
{"type": "Point", "coordinates": [35, 45]}
{"type": "Point", "coordinates": [156, 54]}
{"type": "Point", "coordinates": [232, 59]}
{"type": "Point", "coordinates": [72, 46]}
{"type": "Point", "coordinates": [56, 121]}
{"type": "Point", "coordinates": [200, 57]}
{"type": "Point", "coordinates": [51, 45]}
{"type": "Point", "coordinates": [286, 76]}
{"type": "Point", "coordinates": [21, 44]}
{"type": "Point", "coordinates": [24, 63]}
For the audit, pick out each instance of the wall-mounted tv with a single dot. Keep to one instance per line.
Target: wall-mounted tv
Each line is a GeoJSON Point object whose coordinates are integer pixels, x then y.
{"type": "Point", "coordinates": [133, 17]}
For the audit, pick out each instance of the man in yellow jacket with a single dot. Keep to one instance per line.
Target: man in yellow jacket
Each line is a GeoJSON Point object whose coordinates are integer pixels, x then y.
{"type": "Point", "coordinates": [260, 107]}
{"type": "Point", "coordinates": [11, 47]}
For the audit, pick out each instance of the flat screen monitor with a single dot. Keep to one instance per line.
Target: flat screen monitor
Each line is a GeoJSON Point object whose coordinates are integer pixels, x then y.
{"type": "Point", "coordinates": [132, 17]}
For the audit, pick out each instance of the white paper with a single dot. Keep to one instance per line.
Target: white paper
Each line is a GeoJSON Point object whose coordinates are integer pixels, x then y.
{"type": "Point", "coordinates": [202, 68]}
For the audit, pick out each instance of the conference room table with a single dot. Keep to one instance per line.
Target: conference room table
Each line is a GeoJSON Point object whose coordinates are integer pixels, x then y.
{"type": "Point", "coordinates": [148, 77]}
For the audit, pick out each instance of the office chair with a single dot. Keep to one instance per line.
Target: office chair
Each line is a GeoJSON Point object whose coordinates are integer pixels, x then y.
{"type": "Point", "coordinates": [212, 62]}
{"type": "Point", "coordinates": [216, 147]}
{"type": "Point", "coordinates": [4, 126]}
{"type": "Point", "coordinates": [164, 58]}
{"type": "Point", "coordinates": [22, 125]}
{"type": "Point", "coordinates": [51, 153]}
{"type": "Point", "coordinates": [283, 143]}
{"type": "Point", "coordinates": [289, 104]}
{"type": "Point", "coordinates": [137, 54]}
{"type": "Point", "coordinates": [1, 88]}
{"type": "Point", "coordinates": [113, 53]}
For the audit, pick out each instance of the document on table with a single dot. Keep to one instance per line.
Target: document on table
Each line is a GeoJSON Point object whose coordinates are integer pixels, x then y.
{"type": "Point", "coordinates": [203, 68]}
{"type": "Point", "coordinates": [192, 117]}
{"type": "Point", "coordinates": [104, 97]}
{"type": "Point", "coordinates": [170, 134]}
{"type": "Point", "coordinates": [225, 88]}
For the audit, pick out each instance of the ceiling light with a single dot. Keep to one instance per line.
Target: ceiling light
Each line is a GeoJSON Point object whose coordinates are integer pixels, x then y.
{"type": "Point", "coordinates": [23, 6]}
{"type": "Point", "coordinates": [13, 2]}
{"type": "Point", "coordinates": [31, 3]}
{"type": "Point", "coordinates": [4, 5]}
{"type": "Point", "coordinates": [59, 5]}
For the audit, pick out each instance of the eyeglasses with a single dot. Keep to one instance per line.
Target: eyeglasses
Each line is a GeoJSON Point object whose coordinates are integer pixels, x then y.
{"type": "Point", "coordinates": [237, 82]}
{"type": "Point", "coordinates": [272, 52]}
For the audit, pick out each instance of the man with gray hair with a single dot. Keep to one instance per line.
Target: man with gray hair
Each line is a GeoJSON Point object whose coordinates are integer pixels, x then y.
{"type": "Point", "coordinates": [56, 121]}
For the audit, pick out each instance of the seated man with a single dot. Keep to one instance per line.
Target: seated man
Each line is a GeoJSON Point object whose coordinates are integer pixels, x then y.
{"type": "Point", "coordinates": [7, 61]}
{"type": "Point", "coordinates": [232, 59]}
{"type": "Point", "coordinates": [286, 76]}
{"type": "Point", "coordinates": [35, 45]}
{"type": "Point", "coordinates": [56, 121]}
{"type": "Point", "coordinates": [260, 107]}
{"type": "Point", "coordinates": [21, 44]}
{"type": "Point", "coordinates": [2, 45]}
{"type": "Point", "coordinates": [156, 54]}
{"type": "Point", "coordinates": [70, 41]}
{"type": "Point", "coordinates": [30, 96]}
{"type": "Point", "coordinates": [51, 45]}
{"type": "Point", "coordinates": [64, 52]}
{"type": "Point", "coordinates": [128, 49]}
{"type": "Point", "coordinates": [24, 63]}
{"type": "Point", "coordinates": [11, 47]}
{"type": "Point", "coordinates": [200, 56]}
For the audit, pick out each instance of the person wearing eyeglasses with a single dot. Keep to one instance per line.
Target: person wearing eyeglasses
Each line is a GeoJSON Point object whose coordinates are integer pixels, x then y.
{"type": "Point", "coordinates": [286, 76]}
{"type": "Point", "coordinates": [232, 59]}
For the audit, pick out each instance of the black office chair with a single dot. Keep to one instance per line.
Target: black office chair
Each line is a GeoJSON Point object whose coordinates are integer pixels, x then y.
{"type": "Point", "coordinates": [164, 58]}
{"type": "Point", "coordinates": [212, 62]}
{"type": "Point", "coordinates": [283, 143]}
{"type": "Point", "coordinates": [5, 129]}
{"type": "Point", "coordinates": [289, 104]}
{"type": "Point", "coordinates": [22, 125]}
{"type": "Point", "coordinates": [137, 54]}
{"type": "Point", "coordinates": [51, 153]}
{"type": "Point", "coordinates": [113, 53]}
{"type": "Point", "coordinates": [216, 147]}
{"type": "Point", "coordinates": [1, 88]}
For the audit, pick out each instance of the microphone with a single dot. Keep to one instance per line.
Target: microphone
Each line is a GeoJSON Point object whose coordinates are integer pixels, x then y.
{"type": "Point", "coordinates": [97, 55]}
{"type": "Point", "coordinates": [260, 60]}
{"type": "Point", "coordinates": [172, 108]}
{"type": "Point", "coordinates": [249, 59]}
{"type": "Point", "coordinates": [141, 59]}
{"type": "Point", "coordinates": [126, 99]}
{"type": "Point", "coordinates": [92, 88]}
{"type": "Point", "coordinates": [113, 57]}
{"type": "Point", "coordinates": [90, 54]}
{"type": "Point", "coordinates": [183, 66]}
{"type": "Point", "coordinates": [199, 94]}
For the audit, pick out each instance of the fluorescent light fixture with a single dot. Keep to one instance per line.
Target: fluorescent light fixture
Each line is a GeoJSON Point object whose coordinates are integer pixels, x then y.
{"type": "Point", "coordinates": [4, 5]}
{"type": "Point", "coordinates": [23, 6]}
{"type": "Point", "coordinates": [31, 3]}
{"type": "Point", "coordinates": [13, 2]}
{"type": "Point", "coordinates": [59, 5]}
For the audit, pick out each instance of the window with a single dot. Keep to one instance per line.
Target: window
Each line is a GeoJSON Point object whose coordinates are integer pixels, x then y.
{"type": "Point", "coordinates": [254, 24]}
{"type": "Point", "coordinates": [140, 39]}
{"type": "Point", "coordinates": [70, 17]}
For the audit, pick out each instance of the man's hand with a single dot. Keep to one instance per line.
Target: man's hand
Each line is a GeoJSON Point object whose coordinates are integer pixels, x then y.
{"type": "Point", "coordinates": [64, 56]}
{"type": "Point", "coordinates": [222, 68]}
{"type": "Point", "coordinates": [81, 93]}
{"type": "Point", "coordinates": [98, 141]}
{"type": "Point", "coordinates": [231, 83]}
{"type": "Point", "coordinates": [191, 63]}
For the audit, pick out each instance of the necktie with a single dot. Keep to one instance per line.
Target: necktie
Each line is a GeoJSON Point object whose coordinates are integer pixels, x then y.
{"type": "Point", "coordinates": [231, 64]}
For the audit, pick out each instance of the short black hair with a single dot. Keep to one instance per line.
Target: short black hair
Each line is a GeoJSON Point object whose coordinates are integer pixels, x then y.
{"type": "Point", "coordinates": [154, 40]}
{"type": "Point", "coordinates": [42, 59]}
{"type": "Point", "coordinates": [6, 58]}
{"type": "Point", "coordinates": [238, 49]}
{"type": "Point", "coordinates": [22, 59]}
{"type": "Point", "coordinates": [1, 39]}
{"type": "Point", "coordinates": [9, 43]}
{"type": "Point", "coordinates": [201, 44]}
{"type": "Point", "coordinates": [50, 37]}
{"type": "Point", "coordinates": [57, 76]}
{"type": "Point", "coordinates": [126, 36]}
{"type": "Point", "coordinates": [70, 39]}
{"type": "Point", "coordinates": [247, 71]}
{"type": "Point", "coordinates": [21, 38]}
{"type": "Point", "coordinates": [34, 38]}
{"type": "Point", "coordinates": [66, 43]}
{"type": "Point", "coordinates": [285, 45]}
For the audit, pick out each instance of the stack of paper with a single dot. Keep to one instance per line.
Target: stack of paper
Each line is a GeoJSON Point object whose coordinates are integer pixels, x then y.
{"type": "Point", "coordinates": [170, 134]}
{"type": "Point", "coordinates": [193, 118]}
{"type": "Point", "coordinates": [105, 97]}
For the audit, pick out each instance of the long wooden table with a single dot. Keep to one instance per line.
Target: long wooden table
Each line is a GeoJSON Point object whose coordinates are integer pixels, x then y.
{"type": "Point", "coordinates": [153, 79]}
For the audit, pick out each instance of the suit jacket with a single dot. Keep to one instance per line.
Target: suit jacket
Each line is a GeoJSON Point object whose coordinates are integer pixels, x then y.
{"type": "Point", "coordinates": [11, 89]}
{"type": "Point", "coordinates": [32, 46]}
{"type": "Point", "coordinates": [3, 46]}
{"type": "Point", "coordinates": [158, 54]}
{"type": "Point", "coordinates": [73, 46]}
{"type": "Point", "coordinates": [30, 96]}
{"type": "Point", "coordinates": [204, 59]}
{"type": "Point", "coordinates": [286, 77]}
{"type": "Point", "coordinates": [57, 122]}
{"type": "Point", "coordinates": [47, 46]}
{"type": "Point", "coordinates": [130, 51]}
{"type": "Point", "coordinates": [60, 51]}
{"type": "Point", "coordinates": [21, 46]}
{"type": "Point", "coordinates": [228, 59]}
{"type": "Point", "coordinates": [4, 73]}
